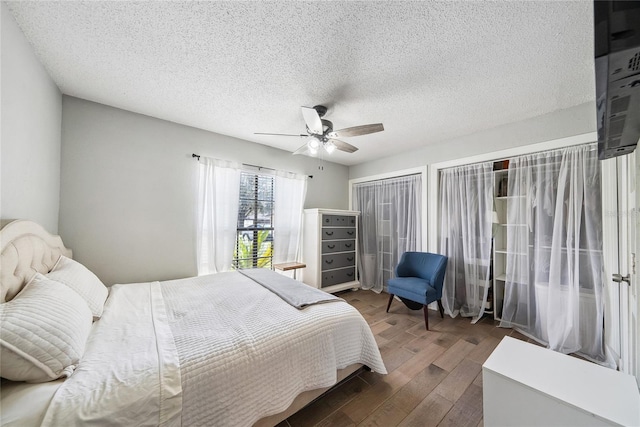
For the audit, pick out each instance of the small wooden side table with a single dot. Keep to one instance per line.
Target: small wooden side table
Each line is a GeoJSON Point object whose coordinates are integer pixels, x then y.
{"type": "Point", "coordinates": [286, 266]}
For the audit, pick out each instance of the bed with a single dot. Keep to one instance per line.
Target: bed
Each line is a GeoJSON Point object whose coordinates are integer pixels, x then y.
{"type": "Point", "coordinates": [216, 350]}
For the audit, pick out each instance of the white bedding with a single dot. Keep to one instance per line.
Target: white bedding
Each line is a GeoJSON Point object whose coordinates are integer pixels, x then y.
{"type": "Point", "coordinates": [214, 350]}
{"type": "Point", "coordinates": [24, 404]}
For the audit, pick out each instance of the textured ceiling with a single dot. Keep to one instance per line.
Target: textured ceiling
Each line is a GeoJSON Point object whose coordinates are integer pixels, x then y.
{"type": "Point", "coordinates": [430, 71]}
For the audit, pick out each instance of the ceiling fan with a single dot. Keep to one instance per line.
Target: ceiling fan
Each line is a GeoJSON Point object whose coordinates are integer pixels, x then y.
{"type": "Point", "coordinates": [322, 135]}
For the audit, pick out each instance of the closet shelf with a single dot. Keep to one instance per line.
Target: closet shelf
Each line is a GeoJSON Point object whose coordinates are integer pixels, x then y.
{"type": "Point", "coordinates": [504, 251]}
{"type": "Point", "coordinates": [564, 249]}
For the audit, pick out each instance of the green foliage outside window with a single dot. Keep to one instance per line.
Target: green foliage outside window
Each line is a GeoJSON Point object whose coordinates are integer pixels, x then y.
{"type": "Point", "coordinates": [254, 241]}
{"type": "Point", "coordinates": [244, 252]}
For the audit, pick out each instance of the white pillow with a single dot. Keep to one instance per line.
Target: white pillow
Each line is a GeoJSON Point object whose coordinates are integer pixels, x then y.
{"type": "Point", "coordinates": [84, 282]}
{"type": "Point", "coordinates": [44, 332]}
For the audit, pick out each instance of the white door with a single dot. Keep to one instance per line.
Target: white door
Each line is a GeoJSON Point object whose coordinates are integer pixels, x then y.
{"type": "Point", "coordinates": [634, 290]}
{"type": "Point", "coordinates": [612, 312]}
{"type": "Point", "coordinates": [619, 233]}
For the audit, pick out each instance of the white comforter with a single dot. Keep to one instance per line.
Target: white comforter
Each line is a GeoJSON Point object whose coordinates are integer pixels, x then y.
{"type": "Point", "coordinates": [214, 350]}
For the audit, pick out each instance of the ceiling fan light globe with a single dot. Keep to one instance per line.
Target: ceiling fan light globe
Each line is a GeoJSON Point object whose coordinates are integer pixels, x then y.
{"type": "Point", "coordinates": [329, 147]}
{"type": "Point", "coordinates": [313, 144]}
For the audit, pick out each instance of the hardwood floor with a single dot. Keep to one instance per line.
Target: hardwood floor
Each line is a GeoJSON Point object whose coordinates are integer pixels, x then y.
{"type": "Point", "coordinates": [434, 377]}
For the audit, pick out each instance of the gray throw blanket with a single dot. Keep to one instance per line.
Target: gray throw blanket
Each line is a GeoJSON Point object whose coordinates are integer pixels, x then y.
{"type": "Point", "coordinates": [291, 291]}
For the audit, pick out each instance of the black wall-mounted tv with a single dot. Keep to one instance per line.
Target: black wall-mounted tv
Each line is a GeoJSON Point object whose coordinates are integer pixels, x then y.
{"type": "Point", "coordinates": [617, 66]}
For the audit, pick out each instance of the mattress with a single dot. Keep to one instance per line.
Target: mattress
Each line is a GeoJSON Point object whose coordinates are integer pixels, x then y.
{"type": "Point", "coordinates": [213, 350]}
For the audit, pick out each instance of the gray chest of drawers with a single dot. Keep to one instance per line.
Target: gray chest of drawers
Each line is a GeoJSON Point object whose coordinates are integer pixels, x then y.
{"type": "Point", "coordinates": [330, 249]}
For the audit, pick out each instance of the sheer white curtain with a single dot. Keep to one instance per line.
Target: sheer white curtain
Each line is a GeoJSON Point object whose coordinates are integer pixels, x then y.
{"type": "Point", "coordinates": [554, 283]}
{"type": "Point", "coordinates": [466, 208]}
{"type": "Point", "coordinates": [289, 193]}
{"type": "Point", "coordinates": [217, 215]}
{"type": "Point", "coordinates": [390, 224]}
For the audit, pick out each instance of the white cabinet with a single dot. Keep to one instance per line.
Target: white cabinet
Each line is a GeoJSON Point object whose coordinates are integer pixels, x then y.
{"type": "Point", "coordinates": [499, 255]}
{"type": "Point", "coordinates": [524, 384]}
{"type": "Point", "coordinates": [515, 229]}
{"type": "Point", "coordinates": [329, 249]}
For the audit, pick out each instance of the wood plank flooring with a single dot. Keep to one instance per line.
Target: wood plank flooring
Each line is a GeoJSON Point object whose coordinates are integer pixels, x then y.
{"type": "Point", "coordinates": [434, 377]}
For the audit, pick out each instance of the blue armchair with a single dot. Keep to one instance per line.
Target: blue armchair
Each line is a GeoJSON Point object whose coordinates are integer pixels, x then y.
{"type": "Point", "coordinates": [419, 278]}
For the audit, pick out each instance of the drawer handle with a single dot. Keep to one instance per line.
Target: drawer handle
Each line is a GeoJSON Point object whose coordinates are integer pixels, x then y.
{"type": "Point", "coordinates": [348, 245]}
{"type": "Point", "coordinates": [349, 274]}
{"type": "Point", "coordinates": [329, 261]}
{"type": "Point", "coordinates": [350, 233]}
{"type": "Point", "coordinates": [331, 246]}
{"type": "Point", "coordinates": [349, 259]}
{"type": "Point", "coordinates": [329, 233]}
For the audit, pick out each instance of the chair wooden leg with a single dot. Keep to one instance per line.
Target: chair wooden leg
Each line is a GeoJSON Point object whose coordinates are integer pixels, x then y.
{"type": "Point", "coordinates": [441, 308]}
{"type": "Point", "coordinates": [426, 316]}
{"type": "Point", "coordinates": [390, 299]}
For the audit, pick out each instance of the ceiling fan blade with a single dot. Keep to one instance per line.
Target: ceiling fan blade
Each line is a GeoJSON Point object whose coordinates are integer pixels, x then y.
{"type": "Point", "coordinates": [301, 150]}
{"type": "Point", "coordinates": [312, 119]}
{"type": "Point", "coordinates": [279, 134]}
{"type": "Point", "coordinates": [343, 146]}
{"type": "Point", "coordinates": [356, 130]}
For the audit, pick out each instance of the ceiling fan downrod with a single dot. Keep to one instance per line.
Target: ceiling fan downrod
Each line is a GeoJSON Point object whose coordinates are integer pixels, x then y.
{"type": "Point", "coordinates": [320, 109]}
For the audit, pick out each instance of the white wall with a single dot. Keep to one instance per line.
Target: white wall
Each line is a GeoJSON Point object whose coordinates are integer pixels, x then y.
{"type": "Point", "coordinates": [31, 112]}
{"type": "Point", "coordinates": [127, 204]}
{"type": "Point", "coordinates": [577, 120]}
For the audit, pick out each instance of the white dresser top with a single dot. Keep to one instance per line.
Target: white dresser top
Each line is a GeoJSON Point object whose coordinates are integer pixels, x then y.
{"type": "Point", "coordinates": [607, 394]}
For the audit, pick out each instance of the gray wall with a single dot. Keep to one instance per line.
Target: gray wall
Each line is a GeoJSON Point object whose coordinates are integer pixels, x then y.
{"type": "Point", "coordinates": [30, 136]}
{"type": "Point", "coordinates": [127, 200]}
{"type": "Point", "coordinates": [563, 123]}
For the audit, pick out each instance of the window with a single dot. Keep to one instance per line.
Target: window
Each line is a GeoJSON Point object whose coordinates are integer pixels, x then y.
{"type": "Point", "coordinates": [254, 238]}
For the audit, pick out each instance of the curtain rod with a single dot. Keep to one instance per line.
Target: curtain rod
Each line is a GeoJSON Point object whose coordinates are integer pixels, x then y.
{"type": "Point", "coordinates": [197, 156]}
{"type": "Point", "coordinates": [552, 150]}
{"type": "Point", "coordinates": [392, 178]}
